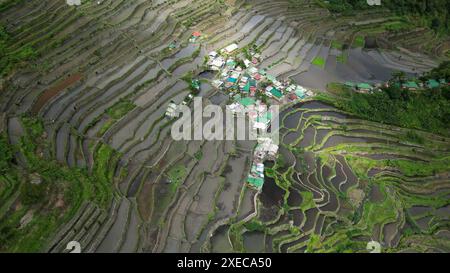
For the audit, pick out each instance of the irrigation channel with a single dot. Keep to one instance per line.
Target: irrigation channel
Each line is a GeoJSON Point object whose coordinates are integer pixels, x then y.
{"type": "Point", "coordinates": [106, 74]}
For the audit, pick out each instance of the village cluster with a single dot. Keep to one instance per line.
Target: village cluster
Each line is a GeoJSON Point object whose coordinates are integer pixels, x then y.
{"type": "Point", "coordinates": [240, 77]}
{"type": "Point", "coordinates": [251, 90]}
{"type": "Point", "coordinates": [410, 85]}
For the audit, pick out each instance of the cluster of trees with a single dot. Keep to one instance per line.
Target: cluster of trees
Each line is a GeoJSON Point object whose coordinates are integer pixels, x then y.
{"type": "Point", "coordinates": [6, 154]}
{"type": "Point", "coordinates": [435, 12]}
{"type": "Point", "coordinates": [346, 6]}
{"type": "Point", "coordinates": [427, 110]}
{"type": "Point", "coordinates": [9, 57]}
{"type": "Point", "coordinates": [440, 72]}
{"type": "Point", "coordinates": [401, 6]}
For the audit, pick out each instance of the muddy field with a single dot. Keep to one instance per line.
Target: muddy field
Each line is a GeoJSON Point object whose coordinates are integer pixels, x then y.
{"type": "Point", "coordinates": [106, 74]}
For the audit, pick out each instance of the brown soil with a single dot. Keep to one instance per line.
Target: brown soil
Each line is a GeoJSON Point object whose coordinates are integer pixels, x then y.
{"type": "Point", "coordinates": [53, 91]}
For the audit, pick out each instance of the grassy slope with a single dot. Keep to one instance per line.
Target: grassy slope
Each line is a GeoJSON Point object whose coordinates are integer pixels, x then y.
{"type": "Point", "coordinates": [72, 186]}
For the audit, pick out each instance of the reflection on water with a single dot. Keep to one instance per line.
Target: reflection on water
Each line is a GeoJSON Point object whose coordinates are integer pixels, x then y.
{"type": "Point", "coordinates": [362, 66]}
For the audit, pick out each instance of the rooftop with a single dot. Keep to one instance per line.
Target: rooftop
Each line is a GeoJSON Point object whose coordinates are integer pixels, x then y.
{"type": "Point", "coordinates": [256, 182]}
{"type": "Point", "coordinates": [433, 83]}
{"type": "Point", "coordinates": [247, 101]}
{"type": "Point", "coordinates": [231, 48]}
{"type": "Point", "coordinates": [410, 84]}
{"type": "Point", "coordinates": [276, 93]}
{"type": "Point", "coordinates": [364, 86]}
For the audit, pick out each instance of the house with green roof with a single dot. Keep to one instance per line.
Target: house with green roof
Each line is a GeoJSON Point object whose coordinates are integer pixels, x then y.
{"type": "Point", "coordinates": [247, 101]}
{"type": "Point", "coordinates": [300, 92]}
{"type": "Point", "coordinates": [255, 182]}
{"type": "Point", "coordinates": [231, 64]}
{"type": "Point", "coordinates": [276, 93]}
{"type": "Point", "coordinates": [265, 118]}
{"type": "Point", "coordinates": [195, 84]}
{"type": "Point", "coordinates": [246, 88]}
{"type": "Point", "coordinates": [432, 83]}
{"type": "Point", "coordinates": [350, 84]}
{"type": "Point", "coordinates": [410, 85]}
{"type": "Point", "coordinates": [364, 87]}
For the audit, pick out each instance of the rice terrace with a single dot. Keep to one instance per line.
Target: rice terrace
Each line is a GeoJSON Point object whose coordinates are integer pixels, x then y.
{"type": "Point", "coordinates": [355, 159]}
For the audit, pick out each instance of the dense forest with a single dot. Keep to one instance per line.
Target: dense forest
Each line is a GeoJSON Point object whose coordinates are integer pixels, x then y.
{"type": "Point", "coordinates": [435, 12]}
{"type": "Point", "coordinates": [426, 109]}
{"type": "Point", "coordinates": [440, 72]}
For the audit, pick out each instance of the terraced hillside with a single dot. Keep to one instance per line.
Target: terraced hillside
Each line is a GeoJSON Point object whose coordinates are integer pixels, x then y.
{"type": "Point", "coordinates": [84, 91]}
{"type": "Point", "coordinates": [341, 182]}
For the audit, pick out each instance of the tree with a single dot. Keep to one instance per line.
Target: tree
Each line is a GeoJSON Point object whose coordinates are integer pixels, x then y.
{"type": "Point", "coordinates": [32, 194]}
{"type": "Point", "coordinates": [440, 72]}
{"type": "Point", "coordinates": [6, 154]}
{"type": "Point", "coordinates": [435, 24]}
{"type": "Point", "coordinates": [399, 76]}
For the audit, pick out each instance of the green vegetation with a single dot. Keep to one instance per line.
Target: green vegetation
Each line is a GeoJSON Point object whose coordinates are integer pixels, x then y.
{"type": "Point", "coordinates": [5, 154]}
{"type": "Point", "coordinates": [344, 6]}
{"type": "Point", "coordinates": [440, 72]}
{"type": "Point", "coordinates": [342, 58]}
{"type": "Point", "coordinates": [319, 61]}
{"type": "Point", "coordinates": [417, 168]}
{"type": "Point", "coordinates": [120, 109]}
{"type": "Point", "coordinates": [412, 136]}
{"type": "Point", "coordinates": [32, 194]}
{"type": "Point", "coordinates": [105, 159]}
{"type": "Point", "coordinates": [397, 26]}
{"type": "Point", "coordinates": [8, 4]}
{"type": "Point", "coordinates": [362, 165]}
{"type": "Point", "coordinates": [176, 175]}
{"type": "Point", "coordinates": [105, 127]}
{"type": "Point", "coordinates": [115, 113]}
{"type": "Point", "coordinates": [198, 155]}
{"type": "Point", "coordinates": [308, 201]}
{"type": "Point", "coordinates": [336, 89]}
{"type": "Point", "coordinates": [436, 13]}
{"type": "Point", "coordinates": [49, 194]}
{"type": "Point", "coordinates": [406, 177]}
{"type": "Point", "coordinates": [313, 243]}
{"type": "Point", "coordinates": [427, 110]}
{"type": "Point", "coordinates": [337, 45]}
{"type": "Point", "coordinates": [10, 57]}
{"type": "Point", "coordinates": [359, 41]}
{"type": "Point", "coordinates": [374, 213]}
{"type": "Point", "coordinates": [255, 226]}
{"type": "Point", "coordinates": [40, 195]}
